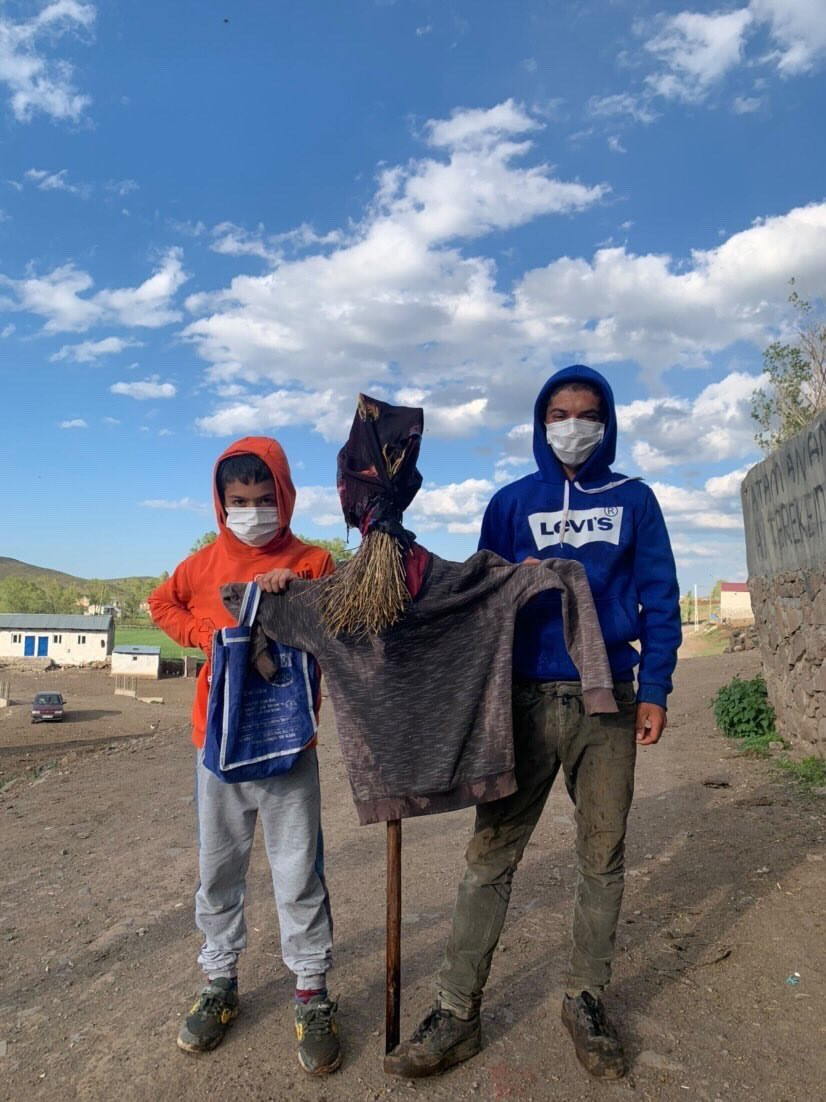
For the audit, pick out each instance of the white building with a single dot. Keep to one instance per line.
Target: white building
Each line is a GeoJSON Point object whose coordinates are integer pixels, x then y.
{"type": "Point", "coordinates": [735, 603]}
{"type": "Point", "coordinates": [137, 661]}
{"type": "Point", "coordinates": [67, 640]}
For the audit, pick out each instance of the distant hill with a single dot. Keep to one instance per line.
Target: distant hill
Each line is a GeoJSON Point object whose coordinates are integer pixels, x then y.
{"type": "Point", "coordinates": [14, 568]}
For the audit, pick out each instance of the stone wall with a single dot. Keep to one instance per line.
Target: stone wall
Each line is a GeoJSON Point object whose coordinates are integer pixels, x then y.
{"type": "Point", "coordinates": [784, 508]}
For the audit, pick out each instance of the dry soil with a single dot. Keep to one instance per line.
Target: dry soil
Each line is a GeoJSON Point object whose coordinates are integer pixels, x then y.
{"type": "Point", "coordinates": [720, 980]}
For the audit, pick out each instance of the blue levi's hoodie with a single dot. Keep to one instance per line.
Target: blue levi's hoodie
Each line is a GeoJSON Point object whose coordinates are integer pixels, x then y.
{"type": "Point", "coordinates": [613, 526]}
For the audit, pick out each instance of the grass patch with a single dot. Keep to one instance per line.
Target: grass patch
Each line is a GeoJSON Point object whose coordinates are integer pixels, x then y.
{"type": "Point", "coordinates": [810, 772]}
{"type": "Point", "coordinates": [152, 637]}
{"type": "Point", "coordinates": [708, 642]}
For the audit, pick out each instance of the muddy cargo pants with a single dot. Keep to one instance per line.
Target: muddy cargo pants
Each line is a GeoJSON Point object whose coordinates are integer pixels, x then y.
{"type": "Point", "coordinates": [597, 755]}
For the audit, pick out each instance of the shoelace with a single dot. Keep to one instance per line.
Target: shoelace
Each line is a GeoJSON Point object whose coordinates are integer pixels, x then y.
{"type": "Point", "coordinates": [317, 1019]}
{"type": "Point", "coordinates": [211, 1003]}
{"type": "Point", "coordinates": [596, 1013]}
{"type": "Point", "coordinates": [431, 1023]}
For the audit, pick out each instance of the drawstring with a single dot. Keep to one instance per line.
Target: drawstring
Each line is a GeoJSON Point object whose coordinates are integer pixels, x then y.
{"type": "Point", "coordinates": [566, 502]}
{"type": "Point", "coordinates": [607, 486]}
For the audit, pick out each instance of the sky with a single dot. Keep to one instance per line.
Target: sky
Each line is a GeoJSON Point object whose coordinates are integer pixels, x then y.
{"type": "Point", "coordinates": [226, 219]}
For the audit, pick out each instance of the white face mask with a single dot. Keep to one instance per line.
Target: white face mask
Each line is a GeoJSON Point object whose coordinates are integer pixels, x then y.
{"type": "Point", "coordinates": [253, 526]}
{"type": "Point", "coordinates": [574, 439]}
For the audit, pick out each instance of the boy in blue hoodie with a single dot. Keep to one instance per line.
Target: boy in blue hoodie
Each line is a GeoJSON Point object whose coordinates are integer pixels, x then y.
{"type": "Point", "coordinates": [573, 507]}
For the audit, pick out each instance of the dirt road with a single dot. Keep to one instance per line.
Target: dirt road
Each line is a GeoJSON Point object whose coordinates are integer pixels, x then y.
{"type": "Point", "coordinates": [725, 901]}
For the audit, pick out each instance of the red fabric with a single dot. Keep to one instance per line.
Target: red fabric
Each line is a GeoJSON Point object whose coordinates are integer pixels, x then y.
{"type": "Point", "coordinates": [416, 563]}
{"type": "Point", "coordinates": [188, 605]}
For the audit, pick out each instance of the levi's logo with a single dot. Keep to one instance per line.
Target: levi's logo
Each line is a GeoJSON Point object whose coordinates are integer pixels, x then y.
{"type": "Point", "coordinates": [583, 526]}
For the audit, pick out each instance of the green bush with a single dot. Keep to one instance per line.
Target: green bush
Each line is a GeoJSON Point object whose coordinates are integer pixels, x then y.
{"type": "Point", "coordinates": [742, 710]}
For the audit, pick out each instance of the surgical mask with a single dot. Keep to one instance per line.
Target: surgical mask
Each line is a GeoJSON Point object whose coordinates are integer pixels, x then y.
{"type": "Point", "coordinates": [253, 526]}
{"type": "Point", "coordinates": [574, 439]}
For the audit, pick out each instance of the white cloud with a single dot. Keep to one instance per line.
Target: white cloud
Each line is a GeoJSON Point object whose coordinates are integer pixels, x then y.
{"type": "Point", "coordinates": [45, 180]}
{"type": "Point", "coordinates": [232, 240]}
{"type": "Point", "coordinates": [36, 82]}
{"type": "Point", "coordinates": [187, 504]}
{"type": "Point", "coordinates": [7, 330]}
{"type": "Point", "coordinates": [392, 288]}
{"type": "Point", "coordinates": [615, 145]}
{"type": "Point", "coordinates": [457, 506]}
{"type": "Point", "coordinates": [59, 297]}
{"type": "Point", "coordinates": [659, 313]}
{"type": "Point", "coordinates": [746, 105]}
{"type": "Point", "coordinates": [88, 351]}
{"type": "Point", "coordinates": [630, 105]}
{"type": "Point", "coordinates": [697, 51]}
{"type": "Point", "coordinates": [798, 27]}
{"type": "Point", "coordinates": [75, 423]}
{"type": "Point", "coordinates": [716, 507]}
{"type": "Point", "coordinates": [122, 187]}
{"type": "Point", "coordinates": [145, 389]}
{"type": "Point", "coordinates": [111, 421]}
{"type": "Point", "coordinates": [423, 30]}
{"type": "Point", "coordinates": [319, 504]}
{"type": "Point", "coordinates": [715, 426]}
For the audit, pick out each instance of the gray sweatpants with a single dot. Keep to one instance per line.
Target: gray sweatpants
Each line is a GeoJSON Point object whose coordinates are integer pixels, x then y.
{"type": "Point", "coordinates": [289, 808]}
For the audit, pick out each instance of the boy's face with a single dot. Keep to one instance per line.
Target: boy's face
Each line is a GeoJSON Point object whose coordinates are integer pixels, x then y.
{"type": "Point", "coordinates": [249, 495]}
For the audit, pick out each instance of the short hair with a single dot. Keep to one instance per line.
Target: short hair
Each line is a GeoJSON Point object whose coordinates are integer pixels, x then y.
{"type": "Point", "coordinates": [245, 468]}
{"type": "Point", "coordinates": [580, 384]}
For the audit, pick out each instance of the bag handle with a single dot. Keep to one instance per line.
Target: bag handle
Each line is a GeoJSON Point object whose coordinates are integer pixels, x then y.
{"type": "Point", "coordinates": [249, 605]}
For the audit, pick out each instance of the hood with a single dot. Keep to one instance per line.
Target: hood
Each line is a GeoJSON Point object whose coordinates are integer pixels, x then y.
{"type": "Point", "coordinates": [272, 454]}
{"type": "Point", "coordinates": [598, 464]}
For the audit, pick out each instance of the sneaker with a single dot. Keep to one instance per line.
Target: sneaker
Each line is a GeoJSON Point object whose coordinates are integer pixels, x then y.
{"type": "Point", "coordinates": [208, 1020]}
{"type": "Point", "coordinates": [440, 1041]}
{"type": "Point", "coordinates": [598, 1048]}
{"type": "Point", "coordinates": [319, 1049]}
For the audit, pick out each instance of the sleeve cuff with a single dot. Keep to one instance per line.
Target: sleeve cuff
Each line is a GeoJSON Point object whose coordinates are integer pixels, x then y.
{"type": "Point", "coordinates": [652, 694]}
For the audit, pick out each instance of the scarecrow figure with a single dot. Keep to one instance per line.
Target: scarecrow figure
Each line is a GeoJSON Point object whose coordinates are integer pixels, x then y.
{"type": "Point", "coordinates": [416, 650]}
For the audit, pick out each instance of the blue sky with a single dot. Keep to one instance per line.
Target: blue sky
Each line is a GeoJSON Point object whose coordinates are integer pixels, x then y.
{"type": "Point", "coordinates": [218, 219]}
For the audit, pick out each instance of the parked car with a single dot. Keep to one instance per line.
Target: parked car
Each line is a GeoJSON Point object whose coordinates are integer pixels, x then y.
{"type": "Point", "coordinates": [47, 706]}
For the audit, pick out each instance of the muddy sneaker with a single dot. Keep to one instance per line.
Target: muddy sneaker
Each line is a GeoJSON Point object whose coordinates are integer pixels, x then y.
{"type": "Point", "coordinates": [208, 1020]}
{"type": "Point", "coordinates": [597, 1046]}
{"type": "Point", "coordinates": [440, 1041]}
{"type": "Point", "coordinates": [319, 1049]}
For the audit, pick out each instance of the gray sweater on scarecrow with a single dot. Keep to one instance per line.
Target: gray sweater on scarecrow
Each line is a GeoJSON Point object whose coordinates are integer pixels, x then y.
{"type": "Point", "coordinates": [423, 709]}
{"type": "Point", "coordinates": [416, 650]}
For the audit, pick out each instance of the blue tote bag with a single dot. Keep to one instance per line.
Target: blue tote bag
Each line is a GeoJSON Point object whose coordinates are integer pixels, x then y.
{"type": "Point", "coordinates": [257, 728]}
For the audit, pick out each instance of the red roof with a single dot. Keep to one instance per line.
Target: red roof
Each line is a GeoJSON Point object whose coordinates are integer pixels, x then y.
{"type": "Point", "coordinates": [734, 587]}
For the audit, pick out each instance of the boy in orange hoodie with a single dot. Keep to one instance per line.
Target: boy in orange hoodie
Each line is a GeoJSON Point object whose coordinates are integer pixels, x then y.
{"type": "Point", "coordinates": [254, 501]}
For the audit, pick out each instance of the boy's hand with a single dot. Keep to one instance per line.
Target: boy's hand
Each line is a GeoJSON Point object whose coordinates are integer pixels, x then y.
{"type": "Point", "coordinates": [275, 581]}
{"type": "Point", "coordinates": [651, 721]}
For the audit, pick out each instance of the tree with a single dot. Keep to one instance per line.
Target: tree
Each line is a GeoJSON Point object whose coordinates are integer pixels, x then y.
{"type": "Point", "coordinates": [796, 390]}
{"type": "Point", "coordinates": [337, 547]}
{"type": "Point", "coordinates": [25, 595]}
{"type": "Point", "coordinates": [203, 541]}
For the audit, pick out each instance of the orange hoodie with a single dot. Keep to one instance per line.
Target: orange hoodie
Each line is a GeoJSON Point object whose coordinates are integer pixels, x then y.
{"type": "Point", "coordinates": [188, 605]}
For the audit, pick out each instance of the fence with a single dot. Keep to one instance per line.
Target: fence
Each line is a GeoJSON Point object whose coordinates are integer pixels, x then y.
{"type": "Point", "coordinates": [125, 685]}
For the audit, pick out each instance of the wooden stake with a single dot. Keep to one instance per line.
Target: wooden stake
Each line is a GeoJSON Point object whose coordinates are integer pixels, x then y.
{"type": "Point", "coordinates": [394, 935]}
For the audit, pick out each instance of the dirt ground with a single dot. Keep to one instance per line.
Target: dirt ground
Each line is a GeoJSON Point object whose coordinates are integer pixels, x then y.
{"type": "Point", "coordinates": [725, 904]}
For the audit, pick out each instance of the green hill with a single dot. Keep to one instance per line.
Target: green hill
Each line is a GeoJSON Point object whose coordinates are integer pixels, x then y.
{"type": "Point", "coordinates": [14, 568]}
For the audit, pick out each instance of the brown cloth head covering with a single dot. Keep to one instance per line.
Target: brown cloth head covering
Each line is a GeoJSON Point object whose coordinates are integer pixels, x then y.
{"type": "Point", "coordinates": [377, 476]}
{"type": "Point", "coordinates": [377, 479]}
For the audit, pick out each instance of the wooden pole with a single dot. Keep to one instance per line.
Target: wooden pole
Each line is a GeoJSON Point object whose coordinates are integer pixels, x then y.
{"type": "Point", "coordinates": [394, 934]}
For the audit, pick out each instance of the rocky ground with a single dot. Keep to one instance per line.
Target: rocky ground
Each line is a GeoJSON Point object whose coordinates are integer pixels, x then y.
{"type": "Point", "coordinates": [720, 980]}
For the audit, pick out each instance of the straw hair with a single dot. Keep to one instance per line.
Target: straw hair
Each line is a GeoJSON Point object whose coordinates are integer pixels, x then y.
{"type": "Point", "coordinates": [369, 593]}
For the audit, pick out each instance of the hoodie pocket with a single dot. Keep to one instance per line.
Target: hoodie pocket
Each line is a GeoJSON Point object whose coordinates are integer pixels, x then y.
{"type": "Point", "coordinates": [619, 623]}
